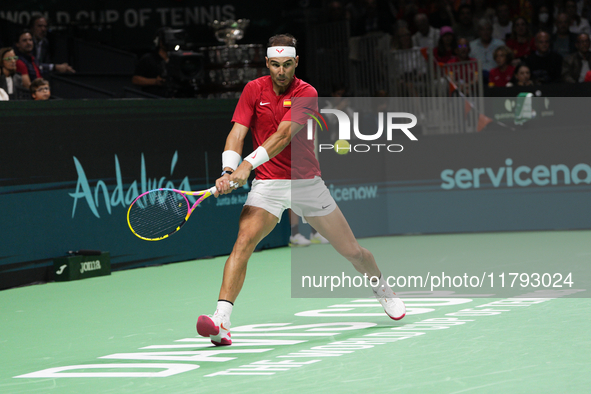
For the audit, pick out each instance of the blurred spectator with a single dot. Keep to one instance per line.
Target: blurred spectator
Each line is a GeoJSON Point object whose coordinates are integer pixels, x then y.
{"type": "Point", "coordinates": [462, 51]}
{"type": "Point", "coordinates": [563, 41]}
{"type": "Point", "coordinates": [464, 75]}
{"type": "Point", "coordinates": [543, 19]}
{"type": "Point", "coordinates": [481, 9]}
{"type": "Point", "coordinates": [340, 101]}
{"type": "Point", "coordinates": [445, 50]}
{"type": "Point", "coordinates": [334, 11]}
{"type": "Point", "coordinates": [26, 65]}
{"type": "Point", "coordinates": [522, 76]}
{"type": "Point", "coordinates": [521, 41]}
{"type": "Point", "coordinates": [374, 16]}
{"type": "Point", "coordinates": [405, 14]}
{"type": "Point", "coordinates": [402, 39]}
{"type": "Point", "coordinates": [441, 14]}
{"type": "Point", "coordinates": [10, 81]}
{"type": "Point", "coordinates": [426, 36]}
{"type": "Point", "coordinates": [576, 66]}
{"type": "Point", "coordinates": [464, 27]}
{"type": "Point", "coordinates": [502, 74]}
{"type": "Point", "coordinates": [545, 65]}
{"type": "Point", "coordinates": [586, 11]}
{"type": "Point", "coordinates": [38, 28]}
{"type": "Point", "coordinates": [40, 89]}
{"type": "Point", "coordinates": [577, 24]}
{"type": "Point", "coordinates": [503, 26]}
{"type": "Point", "coordinates": [150, 73]}
{"type": "Point", "coordinates": [410, 65]}
{"type": "Point", "coordinates": [484, 47]}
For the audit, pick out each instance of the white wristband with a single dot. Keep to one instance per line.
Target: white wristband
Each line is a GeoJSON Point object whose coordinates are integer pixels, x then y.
{"type": "Point", "coordinates": [258, 157]}
{"type": "Point", "coordinates": [231, 159]}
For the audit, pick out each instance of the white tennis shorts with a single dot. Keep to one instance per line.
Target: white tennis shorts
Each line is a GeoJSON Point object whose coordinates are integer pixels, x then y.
{"type": "Point", "coordinates": [305, 197]}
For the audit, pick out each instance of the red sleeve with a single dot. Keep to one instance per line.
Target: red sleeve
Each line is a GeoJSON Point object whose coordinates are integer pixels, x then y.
{"type": "Point", "coordinates": [21, 68]}
{"type": "Point", "coordinates": [303, 103]}
{"type": "Point", "coordinates": [245, 109]}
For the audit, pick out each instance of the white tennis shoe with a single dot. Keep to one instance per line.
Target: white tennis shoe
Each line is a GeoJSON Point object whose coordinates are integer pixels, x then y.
{"type": "Point", "coordinates": [393, 305]}
{"type": "Point", "coordinates": [318, 239]}
{"type": "Point", "coordinates": [299, 240]}
{"type": "Point", "coordinates": [216, 328]}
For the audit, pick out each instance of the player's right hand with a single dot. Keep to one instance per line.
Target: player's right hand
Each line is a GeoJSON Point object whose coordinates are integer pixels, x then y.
{"type": "Point", "coordinates": [223, 185]}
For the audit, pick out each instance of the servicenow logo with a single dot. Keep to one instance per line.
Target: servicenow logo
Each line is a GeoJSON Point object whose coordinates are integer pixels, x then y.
{"type": "Point", "coordinates": [523, 176]}
{"type": "Point", "coordinates": [349, 193]}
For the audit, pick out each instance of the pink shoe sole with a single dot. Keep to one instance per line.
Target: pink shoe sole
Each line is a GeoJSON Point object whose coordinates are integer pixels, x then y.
{"type": "Point", "coordinates": [206, 327]}
{"type": "Point", "coordinates": [396, 318]}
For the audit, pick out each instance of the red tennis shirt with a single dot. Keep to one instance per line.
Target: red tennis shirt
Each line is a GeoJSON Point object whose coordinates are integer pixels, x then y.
{"type": "Point", "coordinates": [261, 110]}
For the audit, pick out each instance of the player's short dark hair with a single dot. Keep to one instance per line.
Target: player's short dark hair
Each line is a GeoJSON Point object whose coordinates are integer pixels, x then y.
{"type": "Point", "coordinates": [36, 84]}
{"type": "Point", "coordinates": [282, 40]}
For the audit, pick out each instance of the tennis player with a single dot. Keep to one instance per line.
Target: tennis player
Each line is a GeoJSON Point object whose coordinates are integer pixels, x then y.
{"type": "Point", "coordinates": [265, 107]}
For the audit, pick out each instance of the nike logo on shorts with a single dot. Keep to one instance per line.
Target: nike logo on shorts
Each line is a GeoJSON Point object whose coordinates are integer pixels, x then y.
{"type": "Point", "coordinates": [265, 103]}
{"type": "Point", "coordinates": [326, 206]}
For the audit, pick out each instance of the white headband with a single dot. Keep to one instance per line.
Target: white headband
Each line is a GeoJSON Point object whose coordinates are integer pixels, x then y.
{"type": "Point", "coordinates": [281, 52]}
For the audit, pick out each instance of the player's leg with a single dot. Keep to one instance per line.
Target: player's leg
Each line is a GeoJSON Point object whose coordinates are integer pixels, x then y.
{"type": "Point", "coordinates": [296, 239]}
{"type": "Point", "coordinates": [254, 225]}
{"type": "Point", "coordinates": [335, 228]}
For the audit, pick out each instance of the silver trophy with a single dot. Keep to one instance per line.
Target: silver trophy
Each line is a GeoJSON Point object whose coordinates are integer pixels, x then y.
{"type": "Point", "coordinates": [229, 31]}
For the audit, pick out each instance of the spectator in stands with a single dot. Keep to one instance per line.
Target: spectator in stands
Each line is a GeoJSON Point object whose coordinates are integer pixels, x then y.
{"type": "Point", "coordinates": [545, 65]}
{"type": "Point", "coordinates": [441, 14]}
{"type": "Point", "coordinates": [465, 24]}
{"type": "Point", "coordinates": [26, 65]}
{"type": "Point", "coordinates": [543, 19]}
{"type": "Point", "coordinates": [563, 41]}
{"type": "Point", "coordinates": [338, 101]}
{"type": "Point", "coordinates": [503, 26]}
{"type": "Point", "coordinates": [521, 41]}
{"type": "Point", "coordinates": [38, 28]}
{"type": "Point", "coordinates": [464, 75]}
{"type": "Point", "coordinates": [445, 50]}
{"type": "Point", "coordinates": [502, 74]}
{"type": "Point", "coordinates": [334, 11]}
{"type": "Point", "coordinates": [374, 16]}
{"type": "Point", "coordinates": [481, 9]}
{"type": "Point", "coordinates": [10, 81]}
{"type": "Point", "coordinates": [577, 24]}
{"type": "Point", "coordinates": [576, 66]}
{"type": "Point", "coordinates": [462, 51]}
{"type": "Point", "coordinates": [150, 73]}
{"type": "Point", "coordinates": [586, 11]}
{"type": "Point", "coordinates": [484, 47]}
{"type": "Point", "coordinates": [522, 76]}
{"type": "Point", "coordinates": [40, 89]}
{"type": "Point", "coordinates": [409, 65]}
{"type": "Point", "coordinates": [426, 36]}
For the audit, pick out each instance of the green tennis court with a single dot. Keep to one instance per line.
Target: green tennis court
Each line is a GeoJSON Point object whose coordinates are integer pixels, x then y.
{"type": "Point", "coordinates": [134, 331]}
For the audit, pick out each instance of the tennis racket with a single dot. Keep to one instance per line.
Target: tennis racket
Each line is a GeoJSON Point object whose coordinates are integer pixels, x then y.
{"type": "Point", "coordinates": [159, 213]}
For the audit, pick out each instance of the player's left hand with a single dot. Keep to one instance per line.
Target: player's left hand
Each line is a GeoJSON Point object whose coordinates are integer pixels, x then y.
{"type": "Point", "coordinates": [240, 176]}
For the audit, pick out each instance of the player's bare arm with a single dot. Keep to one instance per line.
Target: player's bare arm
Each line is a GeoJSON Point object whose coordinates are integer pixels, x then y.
{"type": "Point", "coordinates": [273, 145]}
{"type": "Point", "coordinates": [234, 143]}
